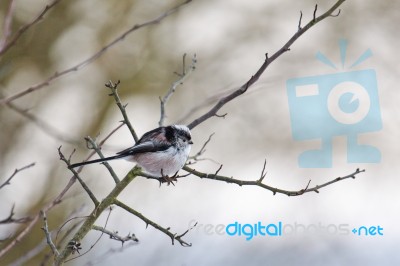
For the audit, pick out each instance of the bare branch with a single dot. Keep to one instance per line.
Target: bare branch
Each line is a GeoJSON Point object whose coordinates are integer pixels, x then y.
{"type": "Point", "coordinates": [263, 172]}
{"type": "Point", "coordinates": [16, 171]}
{"type": "Point", "coordinates": [78, 245]}
{"type": "Point", "coordinates": [92, 58]}
{"type": "Point", "coordinates": [172, 89]}
{"type": "Point", "coordinates": [315, 12]}
{"type": "Point", "coordinates": [202, 150]}
{"type": "Point", "coordinates": [45, 228]}
{"type": "Point", "coordinates": [301, 16]}
{"type": "Point", "coordinates": [76, 174]}
{"type": "Point", "coordinates": [153, 224]}
{"type": "Point", "coordinates": [7, 44]}
{"type": "Point", "coordinates": [50, 205]}
{"type": "Point", "coordinates": [10, 218]}
{"type": "Point", "coordinates": [115, 236]}
{"type": "Point", "coordinates": [7, 25]}
{"type": "Point", "coordinates": [94, 215]}
{"type": "Point", "coordinates": [113, 87]}
{"type": "Point", "coordinates": [106, 164]}
{"type": "Point", "coordinates": [272, 189]}
{"type": "Point", "coordinates": [268, 60]}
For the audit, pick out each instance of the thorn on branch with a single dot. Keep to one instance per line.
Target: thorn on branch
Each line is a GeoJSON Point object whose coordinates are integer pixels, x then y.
{"type": "Point", "coordinates": [221, 116]}
{"type": "Point", "coordinates": [263, 172]}
{"type": "Point", "coordinates": [301, 16]}
{"type": "Point", "coordinates": [70, 156]}
{"type": "Point", "coordinates": [335, 15]}
{"type": "Point", "coordinates": [112, 85]}
{"type": "Point", "coordinates": [305, 189]}
{"type": "Point", "coordinates": [219, 169]}
{"type": "Point", "coordinates": [315, 12]}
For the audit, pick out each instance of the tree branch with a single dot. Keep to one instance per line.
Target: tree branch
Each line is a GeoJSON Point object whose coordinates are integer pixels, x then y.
{"type": "Point", "coordinates": [76, 174]}
{"type": "Point", "coordinates": [264, 186]}
{"type": "Point", "coordinates": [16, 171]}
{"type": "Point", "coordinates": [185, 73]}
{"type": "Point", "coordinates": [95, 147]}
{"type": "Point", "coordinates": [153, 224]}
{"type": "Point", "coordinates": [113, 87]}
{"type": "Point", "coordinates": [268, 60]}
{"type": "Point", "coordinates": [92, 58]}
{"type": "Point", "coordinates": [7, 44]}
{"type": "Point", "coordinates": [104, 204]}
{"type": "Point", "coordinates": [115, 236]}
{"type": "Point", "coordinates": [49, 206]}
{"type": "Point", "coordinates": [45, 228]}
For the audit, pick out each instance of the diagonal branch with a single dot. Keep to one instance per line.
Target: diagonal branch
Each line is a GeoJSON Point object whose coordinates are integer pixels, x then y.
{"type": "Point", "coordinates": [91, 219]}
{"type": "Point", "coordinates": [114, 92]}
{"type": "Point", "coordinates": [153, 224]}
{"type": "Point", "coordinates": [185, 73]}
{"type": "Point", "coordinates": [57, 200]}
{"type": "Point", "coordinates": [268, 60]}
{"type": "Point", "coordinates": [16, 171]}
{"type": "Point", "coordinates": [7, 44]}
{"type": "Point", "coordinates": [94, 146]}
{"type": "Point", "coordinates": [76, 174]}
{"type": "Point", "coordinates": [92, 58]}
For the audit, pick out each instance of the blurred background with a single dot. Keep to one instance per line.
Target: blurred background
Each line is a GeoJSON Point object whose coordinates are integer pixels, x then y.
{"type": "Point", "coordinates": [229, 38]}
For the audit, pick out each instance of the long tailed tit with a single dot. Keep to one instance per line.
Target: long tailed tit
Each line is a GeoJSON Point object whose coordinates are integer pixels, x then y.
{"type": "Point", "coordinates": [160, 152]}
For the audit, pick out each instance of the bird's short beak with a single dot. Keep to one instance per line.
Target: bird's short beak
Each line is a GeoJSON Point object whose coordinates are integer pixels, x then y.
{"type": "Point", "coordinates": [190, 142]}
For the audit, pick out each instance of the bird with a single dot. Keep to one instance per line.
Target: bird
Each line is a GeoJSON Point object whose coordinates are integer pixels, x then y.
{"type": "Point", "coordinates": [160, 152]}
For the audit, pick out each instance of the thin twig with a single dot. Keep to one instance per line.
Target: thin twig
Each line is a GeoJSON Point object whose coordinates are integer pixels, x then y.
{"type": "Point", "coordinates": [76, 174]}
{"type": "Point", "coordinates": [45, 228]}
{"type": "Point", "coordinates": [10, 218]}
{"type": "Point", "coordinates": [185, 73]}
{"type": "Point", "coordinates": [115, 236]}
{"type": "Point", "coordinates": [97, 240]}
{"type": "Point", "coordinates": [301, 16]}
{"type": "Point", "coordinates": [202, 150]}
{"type": "Point", "coordinates": [153, 224]}
{"type": "Point", "coordinates": [268, 60]}
{"type": "Point", "coordinates": [106, 164]}
{"type": "Point", "coordinates": [263, 172]}
{"type": "Point", "coordinates": [272, 189]}
{"type": "Point", "coordinates": [74, 243]}
{"type": "Point", "coordinates": [92, 58]}
{"type": "Point", "coordinates": [7, 44]}
{"type": "Point", "coordinates": [57, 200]}
{"type": "Point", "coordinates": [114, 92]}
{"type": "Point", "coordinates": [7, 25]}
{"type": "Point", "coordinates": [16, 171]}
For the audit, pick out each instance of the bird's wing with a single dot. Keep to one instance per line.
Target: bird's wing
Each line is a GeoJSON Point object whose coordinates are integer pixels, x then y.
{"type": "Point", "coordinates": [147, 146]}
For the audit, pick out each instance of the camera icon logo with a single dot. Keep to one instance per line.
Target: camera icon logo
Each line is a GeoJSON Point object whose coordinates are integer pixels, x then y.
{"type": "Point", "coordinates": [338, 104]}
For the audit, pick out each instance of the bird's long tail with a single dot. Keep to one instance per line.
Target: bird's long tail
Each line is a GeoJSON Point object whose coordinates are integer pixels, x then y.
{"type": "Point", "coordinates": [119, 156]}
